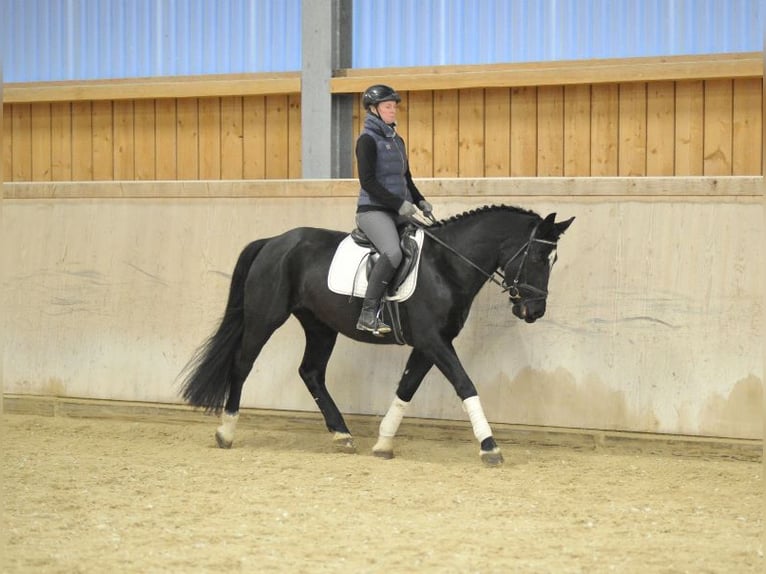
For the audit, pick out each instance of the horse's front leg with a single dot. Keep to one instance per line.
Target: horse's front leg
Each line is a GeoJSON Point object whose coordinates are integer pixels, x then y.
{"type": "Point", "coordinates": [417, 367]}
{"type": "Point", "coordinates": [446, 359]}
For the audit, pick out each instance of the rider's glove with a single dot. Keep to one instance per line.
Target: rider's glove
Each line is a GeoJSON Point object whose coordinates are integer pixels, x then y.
{"type": "Point", "coordinates": [407, 209]}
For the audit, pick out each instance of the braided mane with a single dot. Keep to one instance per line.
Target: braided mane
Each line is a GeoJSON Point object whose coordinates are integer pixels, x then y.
{"type": "Point", "coordinates": [484, 209]}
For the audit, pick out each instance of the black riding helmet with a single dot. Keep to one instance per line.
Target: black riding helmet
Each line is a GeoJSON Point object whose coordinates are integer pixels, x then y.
{"type": "Point", "coordinates": [377, 94]}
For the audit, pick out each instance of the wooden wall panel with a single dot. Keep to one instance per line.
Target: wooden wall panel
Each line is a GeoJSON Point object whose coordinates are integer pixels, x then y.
{"type": "Point", "coordinates": [276, 135]}
{"type": "Point", "coordinates": [8, 143]}
{"type": "Point", "coordinates": [471, 133]}
{"type": "Point", "coordinates": [747, 131]}
{"type": "Point", "coordinates": [632, 153]}
{"type": "Point", "coordinates": [689, 140]}
{"type": "Point", "coordinates": [61, 141]}
{"type": "Point", "coordinates": [523, 131]}
{"type": "Point", "coordinates": [187, 143]}
{"type": "Point", "coordinates": [658, 128]}
{"type": "Point", "coordinates": [145, 126]}
{"type": "Point", "coordinates": [21, 156]}
{"type": "Point", "coordinates": [209, 123]}
{"type": "Point", "coordinates": [102, 135]}
{"type": "Point", "coordinates": [497, 132]}
{"type": "Point", "coordinates": [82, 141]}
{"type": "Point", "coordinates": [718, 127]}
{"type": "Point", "coordinates": [124, 140]}
{"type": "Point", "coordinates": [232, 136]}
{"type": "Point", "coordinates": [166, 138]}
{"type": "Point", "coordinates": [550, 131]}
{"type": "Point", "coordinates": [41, 141]}
{"type": "Point", "coordinates": [420, 141]}
{"type": "Point", "coordinates": [577, 130]}
{"type": "Point", "coordinates": [254, 137]}
{"type": "Point", "coordinates": [294, 153]}
{"type": "Point", "coordinates": [445, 134]}
{"type": "Point", "coordinates": [605, 130]}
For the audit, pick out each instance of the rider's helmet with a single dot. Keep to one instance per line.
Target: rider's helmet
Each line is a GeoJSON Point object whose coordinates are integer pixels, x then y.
{"type": "Point", "coordinates": [377, 94]}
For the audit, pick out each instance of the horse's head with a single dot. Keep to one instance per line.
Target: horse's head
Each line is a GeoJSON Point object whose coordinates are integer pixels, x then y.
{"type": "Point", "coordinates": [528, 268]}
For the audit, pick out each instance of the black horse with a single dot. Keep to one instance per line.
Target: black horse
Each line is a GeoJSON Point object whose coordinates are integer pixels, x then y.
{"type": "Point", "coordinates": [287, 274]}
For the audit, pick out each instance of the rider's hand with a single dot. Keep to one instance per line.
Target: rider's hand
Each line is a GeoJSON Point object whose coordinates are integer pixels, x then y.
{"type": "Point", "coordinates": [426, 207]}
{"type": "Point", "coordinates": [407, 209]}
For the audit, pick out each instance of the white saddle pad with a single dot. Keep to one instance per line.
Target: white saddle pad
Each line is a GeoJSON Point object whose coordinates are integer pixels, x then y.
{"type": "Point", "coordinates": [348, 275]}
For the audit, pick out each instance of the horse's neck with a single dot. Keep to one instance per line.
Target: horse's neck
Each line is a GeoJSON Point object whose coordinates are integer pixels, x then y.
{"type": "Point", "coordinates": [480, 236]}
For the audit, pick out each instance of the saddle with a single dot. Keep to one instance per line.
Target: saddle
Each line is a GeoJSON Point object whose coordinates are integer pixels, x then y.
{"type": "Point", "coordinates": [410, 252]}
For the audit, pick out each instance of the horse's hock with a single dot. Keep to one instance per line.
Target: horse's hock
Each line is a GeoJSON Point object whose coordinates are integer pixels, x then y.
{"type": "Point", "coordinates": [654, 319]}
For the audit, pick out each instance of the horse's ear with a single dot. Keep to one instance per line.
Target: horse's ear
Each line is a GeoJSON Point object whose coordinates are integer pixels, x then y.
{"type": "Point", "coordinates": [562, 226]}
{"type": "Point", "coordinates": [547, 225]}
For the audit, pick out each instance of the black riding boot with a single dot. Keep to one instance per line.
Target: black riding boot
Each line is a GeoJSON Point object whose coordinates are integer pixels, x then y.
{"type": "Point", "coordinates": [376, 287]}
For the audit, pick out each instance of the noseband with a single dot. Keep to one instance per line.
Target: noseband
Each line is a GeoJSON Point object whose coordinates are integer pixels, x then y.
{"type": "Point", "coordinates": [514, 288]}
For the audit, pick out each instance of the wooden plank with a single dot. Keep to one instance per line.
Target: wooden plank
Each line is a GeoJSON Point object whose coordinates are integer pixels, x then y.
{"type": "Point", "coordinates": [166, 138]}
{"type": "Point", "coordinates": [82, 141]}
{"type": "Point", "coordinates": [497, 132]}
{"type": "Point", "coordinates": [720, 190]}
{"type": "Point", "coordinates": [187, 134]}
{"type": "Point", "coordinates": [145, 139]}
{"type": "Point", "coordinates": [550, 131]}
{"type": "Point", "coordinates": [213, 85]}
{"type": "Point", "coordinates": [209, 138]}
{"type": "Point", "coordinates": [445, 128]}
{"type": "Point", "coordinates": [103, 141]}
{"type": "Point", "coordinates": [605, 130]}
{"type": "Point", "coordinates": [660, 130]}
{"type": "Point", "coordinates": [471, 133]}
{"type": "Point", "coordinates": [556, 73]}
{"type": "Point", "coordinates": [718, 127]}
{"type": "Point", "coordinates": [61, 141]}
{"type": "Point", "coordinates": [124, 140]}
{"type": "Point", "coordinates": [747, 132]}
{"type": "Point", "coordinates": [420, 145]}
{"type": "Point", "coordinates": [254, 136]}
{"type": "Point", "coordinates": [276, 137]}
{"type": "Point", "coordinates": [402, 117]}
{"type": "Point", "coordinates": [232, 158]}
{"type": "Point", "coordinates": [294, 153]}
{"type": "Point", "coordinates": [523, 131]}
{"type": "Point", "coordinates": [632, 150]}
{"type": "Point", "coordinates": [41, 141]}
{"type": "Point", "coordinates": [7, 142]}
{"type": "Point", "coordinates": [577, 130]}
{"type": "Point", "coordinates": [689, 127]}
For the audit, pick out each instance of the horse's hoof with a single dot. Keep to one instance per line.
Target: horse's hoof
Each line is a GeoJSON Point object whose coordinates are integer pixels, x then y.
{"type": "Point", "coordinates": [343, 442]}
{"type": "Point", "coordinates": [222, 441]}
{"type": "Point", "coordinates": [385, 454]}
{"type": "Point", "coordinates": [492, 457]}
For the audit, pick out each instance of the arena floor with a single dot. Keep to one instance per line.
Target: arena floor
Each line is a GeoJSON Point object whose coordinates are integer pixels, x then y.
{"type": "Point", "coordinates": [140, 494]}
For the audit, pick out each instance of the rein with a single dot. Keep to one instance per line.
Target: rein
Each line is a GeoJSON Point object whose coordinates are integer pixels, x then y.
{"type": "Point", "coordinates": [513, 289]}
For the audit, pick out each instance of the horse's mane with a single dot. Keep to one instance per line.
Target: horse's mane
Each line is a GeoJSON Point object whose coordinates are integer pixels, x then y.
{"type": "Point", "coordinates": [484, 209]}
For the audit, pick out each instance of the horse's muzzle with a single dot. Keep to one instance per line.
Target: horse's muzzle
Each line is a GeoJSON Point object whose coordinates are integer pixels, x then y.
{"type": "Point", "coordinates": [529, 311]}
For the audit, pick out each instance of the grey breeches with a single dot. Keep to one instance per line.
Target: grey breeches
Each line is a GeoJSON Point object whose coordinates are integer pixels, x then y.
{"type": "Point", "coordinates": [380, 228]}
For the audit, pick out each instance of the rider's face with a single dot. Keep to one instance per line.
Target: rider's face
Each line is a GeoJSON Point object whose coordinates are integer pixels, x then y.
{"type": "Point", "coordinates": [387, 111]}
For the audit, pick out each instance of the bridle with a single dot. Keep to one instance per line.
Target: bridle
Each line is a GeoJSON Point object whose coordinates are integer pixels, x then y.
{"type": "Point", "coordinates": [514, 288]}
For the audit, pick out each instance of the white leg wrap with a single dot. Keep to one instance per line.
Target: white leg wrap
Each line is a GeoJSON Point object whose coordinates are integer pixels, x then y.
{"type": "Point", "coordinates": [228, 426]}
{"type": "Point", "coordinates": [390, 423]}
{"type": "Point", "coordinates": [481, 429]}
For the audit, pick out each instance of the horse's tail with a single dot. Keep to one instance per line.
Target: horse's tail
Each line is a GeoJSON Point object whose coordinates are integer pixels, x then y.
{"type": "Point", "coordinates": [207, 376]}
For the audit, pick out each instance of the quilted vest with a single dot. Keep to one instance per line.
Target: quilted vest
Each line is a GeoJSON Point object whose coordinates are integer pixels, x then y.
{"type": "Point", "coordinates": [391, 163]}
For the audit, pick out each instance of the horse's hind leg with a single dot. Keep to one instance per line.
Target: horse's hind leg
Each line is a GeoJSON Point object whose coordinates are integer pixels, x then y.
{"type": "Point", "coordinates": [417, 367]}
{"type": "Point", "coordinates": [253, 341]}
{"type": "Point", "coordinates": [320, 342]}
